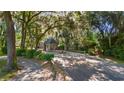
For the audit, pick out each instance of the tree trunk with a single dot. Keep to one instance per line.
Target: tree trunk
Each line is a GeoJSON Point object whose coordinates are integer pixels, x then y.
{"type": "Point", "coordinates": [23, 32]}
{"type": "Point", "coordinates": [23, 35]}
{"type": "Point", "coordinates": [66, 44]}
{"type": "Point", "coordinates": [109, 41]}
{"type": "Point", "coordinates": [37, 43]}
{"type": "Point", "coordinates": [11, 48]}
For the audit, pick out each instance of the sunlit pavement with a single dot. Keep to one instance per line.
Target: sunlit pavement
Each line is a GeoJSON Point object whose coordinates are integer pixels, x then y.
{"type": "Point", "coordinates": [84, 67]}
{"type": "Point", "coordinates": [78, 67]}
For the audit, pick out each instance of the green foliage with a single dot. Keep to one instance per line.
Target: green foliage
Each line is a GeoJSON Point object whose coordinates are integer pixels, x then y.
{"type": "Point", "coordinates": [1, 54]}
{"type": "Point", "coordinates": [116, 52]}
{"type": "Point", "coordinates": [81, 48]}
{"type": "Point", "coordinates": [36, 54]}
{"type": "Point", "coordinates": [61, 46]}
{"type": "Point", "coordinates": [46, 57]}
{"type": "Point", "coordinates": [4, 74]}
{"type": "Point", "coordinates": [89, 32]}
{"type": "Point", "coordinates": [20, 52]}
{"type": "Point", "coordinates": [30, 53]}
{"type": "Point", "coordinates": [108, 52]}
{"type": "Point", "coordinates": [90, 43]}
{"type": "Point", "coordinates": [91, 51]}
{"type": "Point", "coordinates": [18, 36]}
{"type": "Point", "coordinates": [2, 64]}
{"type": "Point", "coordinates": [4, 50]}
{"type": "Point", "coordinates": [27, 53]}
{"type": "Point", "coordinates": [121, 55]}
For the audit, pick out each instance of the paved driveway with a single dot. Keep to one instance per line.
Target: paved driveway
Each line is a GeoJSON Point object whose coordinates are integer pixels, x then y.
{"type": "Point", "coordinates": [76, 66]}
{"type": "Point", "coordinates": [84, 67]}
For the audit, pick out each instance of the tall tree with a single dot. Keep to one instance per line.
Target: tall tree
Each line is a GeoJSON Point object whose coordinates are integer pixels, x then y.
{"type": "Point", "coordinates": [26, 19]}
{"type": "Point", "coordinates": [11, 49]}
{"type": "Point", "coordinates": [23, 32]}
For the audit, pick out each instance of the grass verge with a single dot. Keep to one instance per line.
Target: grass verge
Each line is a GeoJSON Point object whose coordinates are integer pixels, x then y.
{"type": "Point", "coordinates": [113, 59]}
{"type": "Point", "coordinates": [5, 75]}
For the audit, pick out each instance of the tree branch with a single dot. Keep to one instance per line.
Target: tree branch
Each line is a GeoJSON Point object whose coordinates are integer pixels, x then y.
{"type": "Point", "coordinates": [33, 17]}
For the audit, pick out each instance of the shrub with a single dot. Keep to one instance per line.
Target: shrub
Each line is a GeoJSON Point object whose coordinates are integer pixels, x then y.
{"type": "Point", "coordinates": [46, 57]}
{"type": "Point", "coordinates": [36, 53]}
{"type": "Point", "coordinates": [118, 52]}
{"type": "Point", "coordinates": [115, 52]}
{"type": "Point", "coordinates": [85, 49]}
{"type": "Point", "coordinates": [30, 53]}
{"type": "Point", "coordinates": [91, 51]}
{"type": "Point", "coordinates": [81, 48]}
{"type": "Point", "coordinates": [1, 54]}
{"type": "Point", "coordinates": [4, 50]}
{"type": "Point", "coordinates": [49, 57]}
{"type": "Point", "coordinates": [61, 46]}
{"type": "Point", "coordinates": [20, 52]}
{"type": "Point", "coordinates": [108, 52]}
{"type": "Point", "coordinates": [121, 55]}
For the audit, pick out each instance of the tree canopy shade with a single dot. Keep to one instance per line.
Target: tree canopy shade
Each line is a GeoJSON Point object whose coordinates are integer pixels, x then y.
{"type": "Point", "coordinates": [93, 32]}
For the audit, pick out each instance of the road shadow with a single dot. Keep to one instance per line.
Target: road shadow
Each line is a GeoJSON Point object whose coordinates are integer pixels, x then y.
{"type": "Point", "coordinates": [79, 69]}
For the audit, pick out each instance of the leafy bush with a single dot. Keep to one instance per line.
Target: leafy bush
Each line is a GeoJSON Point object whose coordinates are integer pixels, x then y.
{"type": "Point", "coordinates": [83, 49]}
{"type": "Point", "coordinates": [91, 51]}
{"type": "Point", "coordinates": [121, 55]}
{"type": "Point", "coordinates": [30, 53]}
{"type": "Point", "coordinates": [118, 52]}
{"type": "Point", "coordinates": [4, 50]}
{"type": "Point", "coordinates": [20, 52]}
{"type": "Point", "coordinates": [115, 52]}
{"type": "Point", "coordinates": [89, 44]}
{"type": "Point", "coordinates": [46, 57]}
{"type": "Point", "coordinates": [36, 53]}
{"type": "Point", "coordinates": [1, 54]}
{"type": "Point", "coordinates": [61, 46]}
{"type": "Point", "coordinates": [108, 52]}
